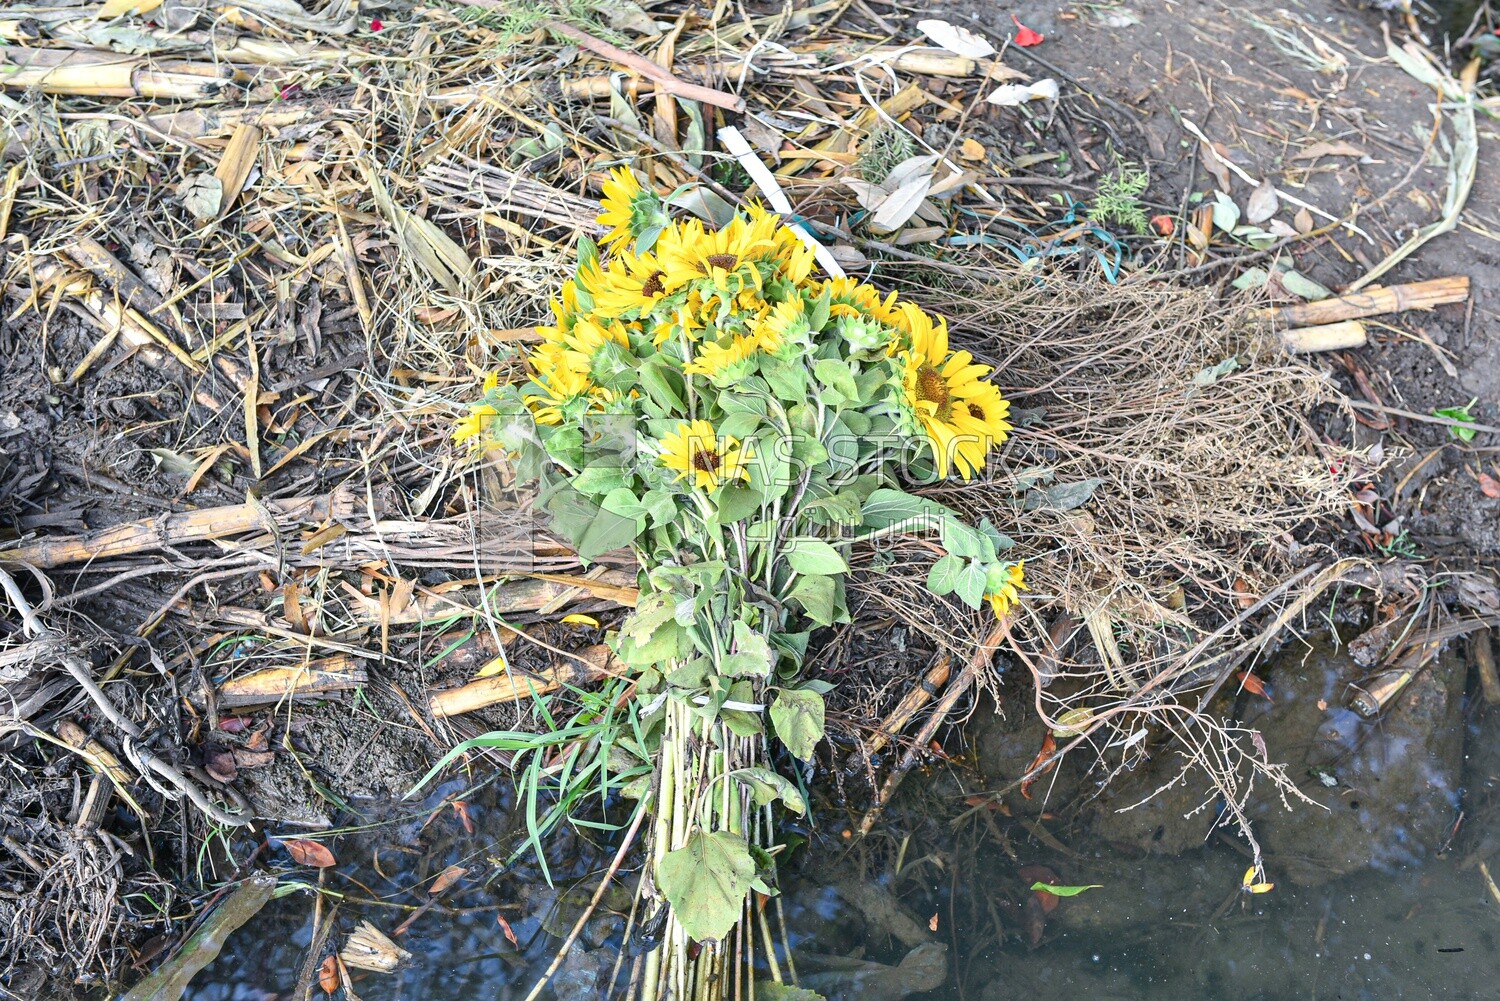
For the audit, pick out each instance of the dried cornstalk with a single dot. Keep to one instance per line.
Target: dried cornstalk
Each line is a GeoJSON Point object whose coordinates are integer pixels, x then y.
{"type": "Point", "coordinates": [98, 73]}
{"type": "Point", "coordinates": [1393, 299]}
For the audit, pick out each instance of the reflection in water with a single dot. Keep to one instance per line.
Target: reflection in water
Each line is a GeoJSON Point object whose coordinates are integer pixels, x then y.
{"type": "Point", "coordinates": [1377, 895]}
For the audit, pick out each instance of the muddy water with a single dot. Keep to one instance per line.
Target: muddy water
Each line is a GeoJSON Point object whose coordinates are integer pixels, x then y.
{"type": "Point", "coordinates": [1412, 918]}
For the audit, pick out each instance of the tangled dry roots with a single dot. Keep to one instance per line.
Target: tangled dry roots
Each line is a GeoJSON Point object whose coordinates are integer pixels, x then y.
{"type": "Point", "coordinates": [1204, 473]}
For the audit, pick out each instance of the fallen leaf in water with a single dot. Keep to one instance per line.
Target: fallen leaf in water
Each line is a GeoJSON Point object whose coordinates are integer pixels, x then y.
{"type": "Point", "coordinates": [309, 853]}
{"type": "Point", "coordinates": [1488, 485]}
{"type": "Point", "coordinates": [328, 974]}
{"type": "Point", "coordinates": [510, 935]}
{"type": "Point", "coordinates": [1025, 37]}
{"type": "Point", "coordinates": [1252, 684]}
{"type": "Point", "coordinates": [1052, 890]}
{"type": "Point", "coordinates": [1044, 757]}
{"type": "Point", "coordinates": [171, 980]}
{"type": "Point", "coordinates": [461, 808]}
{"type": "Point", "coordinates": [445, 879]}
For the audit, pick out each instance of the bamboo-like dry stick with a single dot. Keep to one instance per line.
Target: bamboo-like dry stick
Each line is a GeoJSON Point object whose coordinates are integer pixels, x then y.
{"type": "Point", "coordinates": [1356, 305]}
{"type": "Point", "coordinates": [956, 690]}
{"type": "Point", "coordinates": [99, 73]}
{"type": "Point", "coordinates": [170, 530]}
{"type": "Point", "coordinates": [512, 687]}
{"type": "Point", "coordinates": [315, 679]}
{"type": "Point", "coordinates": [911, 703]}
{"type": "Point", "coordinates": [665, 80]}
{"type": "Point", "coordinates": [1325, 337]}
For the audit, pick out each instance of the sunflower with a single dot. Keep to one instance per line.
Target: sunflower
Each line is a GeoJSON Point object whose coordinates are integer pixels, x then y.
{"type": "Point", "coordinates": [854, 299]}
{"type": "Point", "coordinates": [961, 414]}
{"type": "Point", "coordinates": [474, 423]}
{"type": "Point", "coordinates": [1003, 586]}
{"type": "Point", "coordinates": [785, 323]}
{"type": "Point", "coordinates": [629, 209]}
{"type": "Point", "coordinates": [560, 383]}
{"type": "Point", "coordinates": [564, 310]}
{"type": "Point", "coordinates": [795, 256]}
{"type": "Point", "coordinates": [693, 450]}
{"type": "Point", "coordinates": [726, 257]}
{"type": "Point", "coordinates": [630, 283]}
{"type": "Point", "coordinates": [723, 361]}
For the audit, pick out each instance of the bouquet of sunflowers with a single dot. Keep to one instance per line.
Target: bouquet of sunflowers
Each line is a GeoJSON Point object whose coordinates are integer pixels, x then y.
{"type": "Point", "coordinates": [702, 398]}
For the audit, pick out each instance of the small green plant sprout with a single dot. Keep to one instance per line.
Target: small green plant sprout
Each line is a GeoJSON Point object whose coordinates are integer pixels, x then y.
{"type": "Point", "coordinates": [1118, 198]}
{"type": "Point", "coordinates": [884, 148]}
{"type": "Point", "coordinates": [1459, 414]}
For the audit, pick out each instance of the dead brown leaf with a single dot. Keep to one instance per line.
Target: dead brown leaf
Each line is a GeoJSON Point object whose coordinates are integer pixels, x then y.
{"type": "Point", "coordinates": [445, 879]}
{"type": "Point", "coordinates": [1215, 165]}
{"type": "Point", "coordinates": [1317, 150]}
{"type": "Point", "coordinates": [311, 853]}
{"type": "Point", "coordinates": [1488, 485]}
{"type": "Point", "coordinates": [252, 759]}
{"type": "Point", "coordinates": [328, 974]}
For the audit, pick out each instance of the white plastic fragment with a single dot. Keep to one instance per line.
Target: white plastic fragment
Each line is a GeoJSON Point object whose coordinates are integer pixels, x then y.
{"type": "Point", "coordinates": [1012, 94]}
{"type": "Point", "coordinates": [956, 39]}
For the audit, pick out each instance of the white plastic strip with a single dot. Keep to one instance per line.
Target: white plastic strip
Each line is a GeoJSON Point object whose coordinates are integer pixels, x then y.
{"type": "Point", "coordinates": [735, 143]}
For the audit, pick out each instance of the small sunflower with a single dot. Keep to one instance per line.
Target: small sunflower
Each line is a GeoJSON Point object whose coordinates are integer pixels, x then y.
{"type": "Point", "coordinates": [474, 423]}
{"type": "Point", "coordinates": [631, 283]}
{"type": "Point", "coordinates": [629, 209]}
{"type": "Point", "coordinates": [854, 299]}
{"type": "Point", "coordinates": [724, 361]}
{"type": "Point", "coordinates": [561, 383]}
{"type": "Point", "coordinates": [1003, 586]}
{"type": "Point", "coordinates": [696, 452]}
{"type": "Point", "coordinates": [938, 390]}
{"type": "Point", "coordinates": [785, 324]}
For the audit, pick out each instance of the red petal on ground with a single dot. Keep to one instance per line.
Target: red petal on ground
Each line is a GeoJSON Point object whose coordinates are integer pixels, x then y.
{"type": "Point", "coordinates": [1025, 37]}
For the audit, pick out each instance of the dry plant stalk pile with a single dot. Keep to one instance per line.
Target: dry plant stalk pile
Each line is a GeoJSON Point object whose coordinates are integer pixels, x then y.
{"type": "Point", "coordinates": [256, 256]}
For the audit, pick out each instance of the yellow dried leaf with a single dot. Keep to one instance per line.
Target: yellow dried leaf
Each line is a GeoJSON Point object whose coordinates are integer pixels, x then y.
{"type": "Point", "coordinates": [972, 149]}
{"type": "Point", "coordinates": [578, 619]}
{"type": "Point", "coordinates": [115, 8]}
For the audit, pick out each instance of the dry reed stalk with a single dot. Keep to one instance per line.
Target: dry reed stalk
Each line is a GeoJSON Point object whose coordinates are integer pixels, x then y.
{"type": "Point", "coordinates": [312, 680]}
{"type": "Point", "coordinates": [100, 73]}
{"type": "Point", "coordinates": [173, 529]}
{"type": "Point", "coordinates": [1357, 305]}
{"type": "Point", "coordinates": [512, 686]}
{"type": "Point", "coordinates": [1325, 337]}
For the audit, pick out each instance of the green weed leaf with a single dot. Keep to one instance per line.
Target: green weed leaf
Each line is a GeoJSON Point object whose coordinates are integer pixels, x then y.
{"type": "Point", "coordinates": [797, 716]}
{"type": "Point", "coordinates": [706, 882]}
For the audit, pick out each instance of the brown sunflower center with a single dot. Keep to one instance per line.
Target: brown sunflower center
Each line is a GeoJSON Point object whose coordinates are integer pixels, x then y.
{"type": "Point", "coordinates": [705, 460]}
{"type": "Point", "coordinates": [653, 286]}
{"type": "Point", "coordinates": [933, 388]}
{"type": "Point", "coordinates": [976, 412]}
{"type": "Point", "coordinates": [726, 261]}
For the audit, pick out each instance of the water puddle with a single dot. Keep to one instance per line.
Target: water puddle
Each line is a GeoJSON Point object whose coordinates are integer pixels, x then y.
{"type": "Point", "coordinates": [1380, 895]}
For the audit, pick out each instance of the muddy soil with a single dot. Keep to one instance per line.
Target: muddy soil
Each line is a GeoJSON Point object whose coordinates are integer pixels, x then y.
{"type": "Point", "coordinates": [1269, 104]}
{"type": "Point", "coordinates": [109, 450]}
